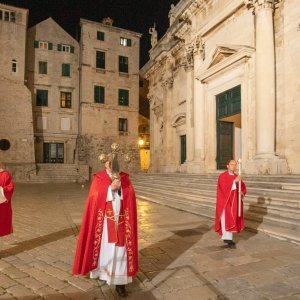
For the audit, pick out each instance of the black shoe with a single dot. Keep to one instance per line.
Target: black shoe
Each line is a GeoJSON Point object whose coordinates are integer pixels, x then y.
{"type": "Point", "coordinates": [121, 290]}
{"type": "Point", "coordinates": [230, 244]}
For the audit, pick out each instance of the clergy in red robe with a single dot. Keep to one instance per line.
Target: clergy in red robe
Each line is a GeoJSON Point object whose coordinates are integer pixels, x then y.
{"type": "Point", "coordinates": [107, 242]}
{"type": "Point", "coordinates": [6, 192]}
{"type": "Point", "coordinates": [227, 220]}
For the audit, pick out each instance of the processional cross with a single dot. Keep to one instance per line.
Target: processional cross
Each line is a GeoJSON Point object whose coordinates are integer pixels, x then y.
{"type": "Point", "coordinates": [113, 158]}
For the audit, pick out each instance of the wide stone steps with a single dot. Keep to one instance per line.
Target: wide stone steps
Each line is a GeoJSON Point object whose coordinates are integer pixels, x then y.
{"type": "Point", "coordinates": [55, 173]}
{"type": "Point", "coordinates": [273, 197]}
{"type": "Point", "coordinates": [268, 206]}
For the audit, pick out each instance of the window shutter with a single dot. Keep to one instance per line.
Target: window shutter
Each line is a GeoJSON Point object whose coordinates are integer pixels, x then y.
{"type": "Point", "coordinates": [129, 42]}
{"type": "Point", "coordinates": [36, 44]}
{"type": "Point", "coordinates": [50, 46]}
{"type": "Point", "coordinates": [72, 49]}
{"type": "Point", "coordinates": [58, 47]}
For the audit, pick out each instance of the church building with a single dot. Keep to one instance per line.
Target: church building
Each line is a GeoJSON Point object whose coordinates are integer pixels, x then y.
{"type": "Point", "coordinates": [224, 83]}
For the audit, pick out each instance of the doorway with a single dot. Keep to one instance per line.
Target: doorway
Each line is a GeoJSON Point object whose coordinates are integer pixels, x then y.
{"type": "Point", "coordinates": [228, 126]}
{"type": "Point", "coordinates": [54, 153]}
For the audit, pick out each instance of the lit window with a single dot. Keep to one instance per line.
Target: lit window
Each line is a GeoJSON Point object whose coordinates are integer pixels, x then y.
{"type": "Point", "coordinates": [43, 45]}
{"type": "Point", "coordinates": [125, 42]}
{"type": "Point", "coordinates": [14, 66]}
{"type": "Point", "coordinates": [65, 99]}
{"type": "Point", "coordinates": [65, 48]}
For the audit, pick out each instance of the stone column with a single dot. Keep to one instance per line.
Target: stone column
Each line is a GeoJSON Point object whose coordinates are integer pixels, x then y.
{"type": "Point", "coordinates": [168, 142]}
{"type": "Point", "coordinates": [189, 67]}
{"type": "Point", "coordinates": [198, 114]}
{"type": "Point", "coordinates": [265, 80]}
{"type": "Point", "coordinates": [265, 160]}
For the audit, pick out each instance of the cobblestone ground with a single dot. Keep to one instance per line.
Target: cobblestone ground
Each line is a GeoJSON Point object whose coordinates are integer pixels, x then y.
{"type": "Point", "coordinates": [180, 255]}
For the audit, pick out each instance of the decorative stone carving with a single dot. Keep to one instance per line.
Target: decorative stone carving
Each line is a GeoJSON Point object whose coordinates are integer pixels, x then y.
{"type": "Point", "coordinates": [189, 57]}
{"type": "Point", "coordinates": [199, 47]}
{"type": "Point", "coordinates": [186, 19]}
{"type": "Point", "coordinates": [153, 33]}
{"type": "Point", "coordinates": [258, 4]}
{"type": "Point", "coordinates": [158, 110]}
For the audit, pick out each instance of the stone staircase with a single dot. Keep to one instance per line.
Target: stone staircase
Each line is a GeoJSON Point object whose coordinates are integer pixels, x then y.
{"type": "Point", "coordinates": [55, 173]}
{"type": "Point", "coordinates": [272, 204]}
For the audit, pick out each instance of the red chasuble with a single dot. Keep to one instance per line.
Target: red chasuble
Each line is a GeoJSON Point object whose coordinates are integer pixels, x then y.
{"type": "Point", "coordinates": [89, 240]}
{"type": "Point", "coordinates": [5, 207]}
{"type": "Point", "coordinates": [227, 199]}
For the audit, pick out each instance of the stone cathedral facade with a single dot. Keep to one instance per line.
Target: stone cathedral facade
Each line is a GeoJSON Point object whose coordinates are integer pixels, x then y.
{"type": "Point", "coordinates": [224, 82]}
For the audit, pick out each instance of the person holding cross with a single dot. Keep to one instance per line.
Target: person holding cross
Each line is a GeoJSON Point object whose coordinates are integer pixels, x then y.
{"type": "Point", "coordinates": [229, 207]}
{"type": "Point", "coordinates": [107, 242]}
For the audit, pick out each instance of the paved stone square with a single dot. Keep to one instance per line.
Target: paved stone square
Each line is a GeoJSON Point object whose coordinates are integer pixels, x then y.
{"type": "Point", "coordinates": [180, 255]}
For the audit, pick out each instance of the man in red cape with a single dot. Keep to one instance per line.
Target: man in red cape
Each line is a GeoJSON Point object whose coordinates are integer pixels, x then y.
{"type": "Point", "coordinates": [107, 242]}
{"type": "Point", "coordinates": [227, 220]}
{"type": "Point", "coordinates": [6, 192]}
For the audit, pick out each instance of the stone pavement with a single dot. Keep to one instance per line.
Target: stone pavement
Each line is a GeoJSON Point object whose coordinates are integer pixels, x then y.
{"type": "Point", "coordinates": [180, 255]}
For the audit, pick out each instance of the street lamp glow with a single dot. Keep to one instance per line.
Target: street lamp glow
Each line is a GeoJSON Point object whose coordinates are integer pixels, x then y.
{"type": "Point", "coordinates": [141, 142]}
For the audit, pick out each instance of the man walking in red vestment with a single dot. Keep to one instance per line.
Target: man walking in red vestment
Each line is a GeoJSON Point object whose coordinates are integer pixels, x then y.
{"type": "Point", "coordinates": [6, 192]}
{"type": "Point", "coordinates": [227, 219]}
{"type": "Point", "coordinates": [107, 242]}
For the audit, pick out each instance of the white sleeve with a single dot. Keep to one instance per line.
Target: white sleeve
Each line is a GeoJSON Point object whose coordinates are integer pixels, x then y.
{"type": "Point", "coordinates": [2, 196]}
{"type": "Point", "coordinates": [109, 196]}
{"type": "Point", "coordinates": [233, 186]}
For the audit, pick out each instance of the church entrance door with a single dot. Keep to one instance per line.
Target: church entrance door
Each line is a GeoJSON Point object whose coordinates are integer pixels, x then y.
{"type": "Point", "coordinates": [228, 126]}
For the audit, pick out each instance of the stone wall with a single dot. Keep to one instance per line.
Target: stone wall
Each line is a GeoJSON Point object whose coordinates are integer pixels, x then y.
{"type": "Point", "coordinates": [91, 146]}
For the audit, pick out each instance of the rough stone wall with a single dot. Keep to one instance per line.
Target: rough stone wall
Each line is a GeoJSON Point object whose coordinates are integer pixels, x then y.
{"type": "Point", "coordinates": [15, 99]}
{"type": "Point", "coordinates": [91, 146]}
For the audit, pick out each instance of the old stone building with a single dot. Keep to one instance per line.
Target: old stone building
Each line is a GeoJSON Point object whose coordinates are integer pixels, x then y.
{"type": "Point", "coordinates": [224, 82]}
{"type": "Point", "coordinates": [52, 75]}
{"type": "Point", "coordinates": [63, 103]}
{"type": "Point", "coordinates": [109, 92]}
{"type": "Point", "coordinates": [16, 131]}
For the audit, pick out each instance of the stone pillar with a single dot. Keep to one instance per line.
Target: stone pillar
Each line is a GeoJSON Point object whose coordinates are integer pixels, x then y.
{"type": "Point", "coordinates": [169, 161]}
{"type": "Point", "coordinates": [189, 108]}
{"type": "Point", "coordinates": [198, 116]}
{"type": "Point", "coordinates": [266, 160]}
{"type": "Point", "coordinates": [265, 81]}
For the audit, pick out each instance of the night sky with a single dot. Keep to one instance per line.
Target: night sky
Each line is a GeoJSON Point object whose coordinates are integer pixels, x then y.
{"type": "Point", "coordinates": [135, 15]}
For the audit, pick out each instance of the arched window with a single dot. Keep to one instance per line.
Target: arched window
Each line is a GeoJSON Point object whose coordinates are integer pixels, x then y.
{"type": "Point", "coordinates": [14, 66]}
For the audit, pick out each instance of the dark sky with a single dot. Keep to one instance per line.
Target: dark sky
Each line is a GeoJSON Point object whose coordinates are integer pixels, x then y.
{"type": "Point", "coordinates": [135, 15]}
